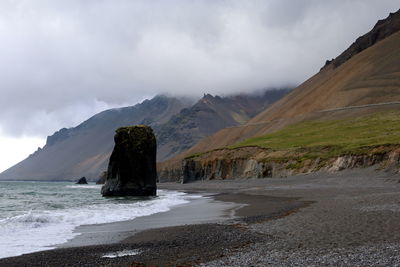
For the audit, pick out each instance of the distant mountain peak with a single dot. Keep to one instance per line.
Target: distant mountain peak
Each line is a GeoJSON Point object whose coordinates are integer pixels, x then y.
{"type": "Point", "coordinates": [208, 115]}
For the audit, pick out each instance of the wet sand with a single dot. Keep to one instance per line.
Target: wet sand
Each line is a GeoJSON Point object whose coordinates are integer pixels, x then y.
{"type": "Point", "coordinates": [350, 218]}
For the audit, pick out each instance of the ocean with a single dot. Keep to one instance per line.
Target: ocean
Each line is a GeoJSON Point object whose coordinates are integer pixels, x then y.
{"type": "Point", "coordinates": [37, 216]}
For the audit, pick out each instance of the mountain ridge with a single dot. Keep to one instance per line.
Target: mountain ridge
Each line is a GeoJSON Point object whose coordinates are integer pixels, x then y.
{"type": "Point", "coordinates": [207, 116]}
{"type": "Point", "coordinates": [84, 150]}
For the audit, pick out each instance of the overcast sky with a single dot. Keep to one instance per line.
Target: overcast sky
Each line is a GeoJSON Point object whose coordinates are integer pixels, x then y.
{"type": "Point", "coordinates": [62, 61]}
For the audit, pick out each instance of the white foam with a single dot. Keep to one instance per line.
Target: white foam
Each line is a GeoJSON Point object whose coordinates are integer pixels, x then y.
{"type": "Point", "coordinates": [43, 229]}
{"type": "Point", "coordinates": [85, 186]}
{"type": "Point", "coordinates": [122, 253]}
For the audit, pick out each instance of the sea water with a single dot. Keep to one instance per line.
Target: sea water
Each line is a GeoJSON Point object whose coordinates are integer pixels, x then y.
{"type": "Point", "coordinates": [36, 216]}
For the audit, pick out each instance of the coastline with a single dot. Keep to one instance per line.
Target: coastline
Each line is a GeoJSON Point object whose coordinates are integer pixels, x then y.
{"type": "Point", "coordinates": [346, 218]}
{"type": "Point", "coordinates": [203, 208]}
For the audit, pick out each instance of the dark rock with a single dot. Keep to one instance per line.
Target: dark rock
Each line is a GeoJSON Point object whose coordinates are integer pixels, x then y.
{"type": "Point", "coordinates": [102, 178]}
{"type": "Point", "coordinates": [327, 63]}
{"type": "Point", "coordinates": [383, 29]}
{"type": "Point", "coordinates": [82, 181]}
{"type": "Point", "coordinates": [132, 167]}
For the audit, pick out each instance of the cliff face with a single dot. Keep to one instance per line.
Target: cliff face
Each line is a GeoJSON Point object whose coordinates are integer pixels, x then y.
{"type": "Point", "coordinates": [253, 162]}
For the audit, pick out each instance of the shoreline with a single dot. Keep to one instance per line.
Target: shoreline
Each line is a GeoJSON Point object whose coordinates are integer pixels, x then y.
{"type": "Point", "coordinates": [202, 209]}
{"type": "Point", "coordinates": [209, 207]}
{"type": "Point", "coordinates": [348, 218]}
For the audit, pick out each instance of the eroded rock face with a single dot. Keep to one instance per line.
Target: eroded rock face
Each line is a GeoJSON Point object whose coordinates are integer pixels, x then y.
{"type": "Point", "coordinates": [254, 162]}
{"type": "Point", "coordinates": [132, 167]}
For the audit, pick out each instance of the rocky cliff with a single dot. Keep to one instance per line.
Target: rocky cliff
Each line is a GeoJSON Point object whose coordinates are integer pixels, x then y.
{"type": "Point", "coordinates": [254, 162]}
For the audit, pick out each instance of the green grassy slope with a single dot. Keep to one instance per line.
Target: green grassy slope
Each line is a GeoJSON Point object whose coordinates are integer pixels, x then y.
{"type": "Point", "coordinates": [327, 139]}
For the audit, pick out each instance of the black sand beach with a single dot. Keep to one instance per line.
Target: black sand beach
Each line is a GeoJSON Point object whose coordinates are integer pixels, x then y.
{"type": "Point", "coordinates": [349, 218]}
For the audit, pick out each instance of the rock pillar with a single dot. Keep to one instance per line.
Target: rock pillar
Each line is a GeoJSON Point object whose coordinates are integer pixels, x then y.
{"type": "Point", "coordinates": [132, 167]}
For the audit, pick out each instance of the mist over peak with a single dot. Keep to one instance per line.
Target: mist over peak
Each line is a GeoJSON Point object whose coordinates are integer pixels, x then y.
{"type": "Point", "coordinates": [64, 61]}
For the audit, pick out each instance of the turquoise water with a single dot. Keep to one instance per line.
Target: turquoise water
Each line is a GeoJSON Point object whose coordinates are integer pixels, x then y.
{"type": "Point", "coordinates": [36, 216]}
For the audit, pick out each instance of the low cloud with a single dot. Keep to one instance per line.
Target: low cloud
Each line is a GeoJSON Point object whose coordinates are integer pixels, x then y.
{"type": "Point", "coordinates": [62, 61]}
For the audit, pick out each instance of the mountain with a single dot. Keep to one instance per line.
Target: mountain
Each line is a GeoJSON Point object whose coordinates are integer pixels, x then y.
{"type": "Point", "coordinates": [207, 116]}
{"type": "Point", "coordinates": [363, 80]}
{"type": "Point", "coordinates": [84, 150]}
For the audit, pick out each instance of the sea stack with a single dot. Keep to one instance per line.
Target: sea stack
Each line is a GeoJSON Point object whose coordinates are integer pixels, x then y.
{"type": "Point", "coordinates": [82, 181]}
{"type": "Point", "coordinates": [132, 167]}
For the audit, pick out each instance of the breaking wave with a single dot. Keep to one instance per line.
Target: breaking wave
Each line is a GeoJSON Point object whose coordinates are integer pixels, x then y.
{"type": "Point", "coordinates": [41, 229]}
